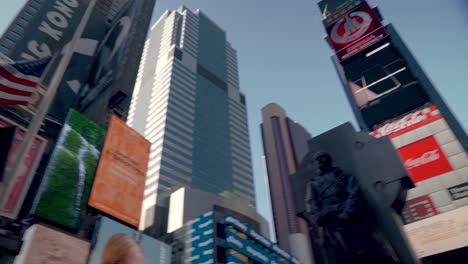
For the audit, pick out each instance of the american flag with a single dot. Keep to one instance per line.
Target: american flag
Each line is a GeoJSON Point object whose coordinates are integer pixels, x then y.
{"type": "Point", "coordinates": [18, 81]}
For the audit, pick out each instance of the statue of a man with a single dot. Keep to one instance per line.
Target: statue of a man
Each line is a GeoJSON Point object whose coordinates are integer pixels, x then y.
{"type": "Point", "coordinates": [334, 202]}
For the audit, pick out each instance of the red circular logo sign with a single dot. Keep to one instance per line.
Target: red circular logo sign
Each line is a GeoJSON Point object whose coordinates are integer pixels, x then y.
{"type": "Point", "coordinates": [350, 27]}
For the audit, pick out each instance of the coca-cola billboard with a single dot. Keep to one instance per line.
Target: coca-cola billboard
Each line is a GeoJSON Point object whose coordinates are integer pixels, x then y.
{"type": "Point", "coordinates": [409, 122]}
{"type": "Point", "coordinates": [355, 31]}
{"type": "Point", "coordinates": [424, 159]}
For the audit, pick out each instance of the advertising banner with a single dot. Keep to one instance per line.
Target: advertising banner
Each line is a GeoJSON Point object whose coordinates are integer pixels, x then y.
{"type": "Point", "coordinates": [355, 31]}
{"type": "Point", "coordinates": [246, 247]}
{"type": "Point", "coordinates": [247, 230]}
{"type": "Point", "coordinates": [46, 28]}
{"type": "Point", "coordinates": [409, 122]}
{"type": "Point", "coordinates": [154, 251]}
{"type": "Point", "coordinates": [419, 208]}
{"type": "Point", "coordinates": [64, 190]}
{"type": "Point", "coordinates": [14, 197]}
{"type": "Point", "coordinates": [44, 245]}
{"type": "Point", "coordinates": [424, 159]}
{"type": "Point", "coordinates": [120, 179]}
{"type": "Point", "coordinates": [200, 233]}
{"type": "Point", "coordinates": [441, 233]}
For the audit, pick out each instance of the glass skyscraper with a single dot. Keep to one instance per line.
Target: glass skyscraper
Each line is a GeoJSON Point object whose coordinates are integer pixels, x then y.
{"type": "Point", "coordinates": [188, 104]}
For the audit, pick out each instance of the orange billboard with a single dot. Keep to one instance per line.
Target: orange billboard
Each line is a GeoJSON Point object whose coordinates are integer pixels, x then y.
{"type": "Point", "coordinates": [120, 178]}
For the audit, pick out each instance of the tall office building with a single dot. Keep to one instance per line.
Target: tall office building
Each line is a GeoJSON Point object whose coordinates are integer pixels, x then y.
{"type": "Point", "coordinates": [285, 145]}
{"type": "Point", "coordinates": [188, 104]}
{"type": "Point", "coordinates": [391, 95]}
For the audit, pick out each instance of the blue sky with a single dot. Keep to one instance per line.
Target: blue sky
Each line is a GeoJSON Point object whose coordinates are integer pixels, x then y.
{"type": "Point", "coordinates": [283, 58]}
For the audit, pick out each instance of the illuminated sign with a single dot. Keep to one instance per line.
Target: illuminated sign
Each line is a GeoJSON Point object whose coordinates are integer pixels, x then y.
{"type": "Point", "coordinates": [355, 31]}
{"type": "Point", "coordinates": [409, 122]}
{"type": "Point", "coordinates": [419, 208]}
{"type": "Point", "coordinates": [424, 159]}
{"type": "Point", "coordinates": [247, 248]}
{"type": "Point", "coordinates": [229, 219]}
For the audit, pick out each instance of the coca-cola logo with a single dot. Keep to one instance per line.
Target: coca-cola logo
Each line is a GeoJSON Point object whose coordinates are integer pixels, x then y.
{"type": "Point", "coordinates": [403, 123]}
{"type": "Point", "coordinates": [351, 27]}
{"type": "Point", "coordinates": [427, 157]}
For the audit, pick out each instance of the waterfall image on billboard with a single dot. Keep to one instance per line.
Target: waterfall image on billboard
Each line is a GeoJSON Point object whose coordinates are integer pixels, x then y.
{"type": "Point", "coordinates": [65, 188]}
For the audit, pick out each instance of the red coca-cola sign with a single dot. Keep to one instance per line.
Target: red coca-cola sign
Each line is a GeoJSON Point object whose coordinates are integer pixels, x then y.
{"type": "Point", "coordinates": [424, 159]}
{"type": "Point", "coordinates": [409, 122]}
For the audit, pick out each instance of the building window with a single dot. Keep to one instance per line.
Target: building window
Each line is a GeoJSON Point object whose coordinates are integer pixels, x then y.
{"type": "Point", "coordinates": [211, 77]}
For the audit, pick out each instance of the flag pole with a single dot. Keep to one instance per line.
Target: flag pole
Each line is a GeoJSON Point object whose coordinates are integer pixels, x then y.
{"type": "Point", "coordinates": [41, 113]}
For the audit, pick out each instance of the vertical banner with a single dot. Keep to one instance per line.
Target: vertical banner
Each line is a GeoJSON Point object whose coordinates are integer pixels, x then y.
{"type": "Point", "coordinates": [11, 205]}
{"type": "Point", "coordinates": [64, 191]}
{"type": "Point", "coordinates": [120, 179]}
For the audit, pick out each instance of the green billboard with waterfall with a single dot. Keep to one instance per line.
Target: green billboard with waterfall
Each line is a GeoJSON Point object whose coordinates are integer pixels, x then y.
{"type": "Point", "coordinates": [66, 185]}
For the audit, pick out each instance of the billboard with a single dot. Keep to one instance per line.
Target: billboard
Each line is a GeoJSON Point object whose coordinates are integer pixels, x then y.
{"type": "Point", "coordinates": [45, 28]}
{"type": "Point", "coordinates": [44, 245]}
{"type": "Point", "coordinates": [419, 208]}
{"type": "Point", "coordinates": [154, 250]}
{"type": "Point", "coordinates": [253, 234]}
{"type": "Point", "coordinates": [64, 190]}
{"type": "Point", "coordinates": [120, 178]}
{"type": "Point", "coordinates": [251, 250]}
{"type": "Point", "coordinates": [14, 197]}
{"type": "Point", "coordinates": [200, 236]}
{"type": "Point", "coordinates": [441, 233]}
{"type": "Point", "coordinates": [424, 159]}
{"type": "Point", "coordinates": [355, 31]}
{"type": "Point", "coordinates": [409, 122]}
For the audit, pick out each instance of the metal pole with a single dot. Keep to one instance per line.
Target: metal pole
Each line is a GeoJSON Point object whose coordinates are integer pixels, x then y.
{"type": "Point", "coordinates": [44, 107]}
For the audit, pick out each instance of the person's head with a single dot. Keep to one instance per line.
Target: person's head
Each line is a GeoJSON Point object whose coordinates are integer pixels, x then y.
{"type": "Point", "coordinates": [324, 160]}
{"type": "Point", "coordinates": [122, 249]}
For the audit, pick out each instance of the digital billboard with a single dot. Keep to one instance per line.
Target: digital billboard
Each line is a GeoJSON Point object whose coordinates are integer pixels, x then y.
{"type": "Point", "coordinates": [13, 198]}
{"type": "Point", "coordinates": [154, 251]}
{"type": "Point", "coordinates": [45, 245]}
{"type": "Point", "coordinates": [120, 178]}
{"type": "Point", "coordinates": [355, 31]}
{"type": "Point", "coordinates": [201, 238]}
{"type": "Point", "coordinates": [64, 190]}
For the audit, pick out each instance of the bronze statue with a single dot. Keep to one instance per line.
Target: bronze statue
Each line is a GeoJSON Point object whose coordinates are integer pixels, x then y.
{"type": "Point", "coordinates": [335, 204]}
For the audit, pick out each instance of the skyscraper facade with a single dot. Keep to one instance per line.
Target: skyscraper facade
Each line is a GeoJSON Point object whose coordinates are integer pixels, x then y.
{"type": "Point", "coordinates": [391, 95]}
{"type": "Point", "coordinates": [285, 145]}
{"type": "Point", "coordinates": [187, 102]}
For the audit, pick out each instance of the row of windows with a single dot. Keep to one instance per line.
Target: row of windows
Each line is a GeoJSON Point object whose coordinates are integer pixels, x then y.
{"type": "Point", "coordinates": [179, 127]}
{"type": "Point", "coordinates": [244, 180]}
{"type": "Point", "coordinates": [182, 91]}
{"type": "Point", "coordinates": [177, 158]}
{"type": "Point", "coordinates": [182, 177]}
{"type": "Point", "coordinates": [180, 119]}
{"type": "Point", "coordinates": [245, 189]}
{"type": "Point", "coordinates": [241, 171]}
{"type": "Point", "coordinates": [178, 148]}
{"type": "Point", "coordinates": [241, 161]}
